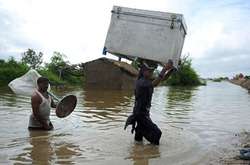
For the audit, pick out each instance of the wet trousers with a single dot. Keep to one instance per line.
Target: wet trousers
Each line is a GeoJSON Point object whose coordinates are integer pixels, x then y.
{"type": "Point", "coordinates": [147, 129]}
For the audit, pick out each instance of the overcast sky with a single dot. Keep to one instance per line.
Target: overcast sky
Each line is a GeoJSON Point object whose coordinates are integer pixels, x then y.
{"type": "Point", "coordinates": [218, 30]}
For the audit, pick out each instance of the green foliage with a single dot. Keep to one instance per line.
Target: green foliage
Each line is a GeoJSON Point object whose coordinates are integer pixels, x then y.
{"type": "Point", "coordinates": [135, 64]}
{"type": "Point", "coordinates": [32, 59]}
{"type": "Point", "coordinates": [219, 79]}
{"type": "Point", "coordinates": [53, 78]}
{"type": "Point", "coordinates": [57, 64]}
{"type": "Point", "coordinates": [11, 69]}
{"type": "Point", "coordinates": [203, 81]}
{"type": "Point", "coordinates": [58, 71]}
{"type": "Point", "coordinates": [64, 71]}
{"type": "Point", "coordinates": [247, 77]}
{"type": "Point", "coordinates": [57, 61]}
{"type": "Point", "coordinates": [75, 79]}
{"type": "Point", "coordinates": [185, 76]}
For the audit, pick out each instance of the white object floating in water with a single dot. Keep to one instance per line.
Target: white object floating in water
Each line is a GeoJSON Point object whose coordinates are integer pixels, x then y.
{"type": "Point", "coordinates": [26, 84]}
{"type": "Point", "coordinates": [152, 35]}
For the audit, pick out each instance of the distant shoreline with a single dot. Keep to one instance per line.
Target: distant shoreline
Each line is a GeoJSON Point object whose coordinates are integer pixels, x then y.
{"type": "Point", "coordinates": [244, 83]}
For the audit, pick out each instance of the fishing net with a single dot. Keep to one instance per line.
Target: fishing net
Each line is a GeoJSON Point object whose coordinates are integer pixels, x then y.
{"type": "Point", "coordinates": [26, 84]}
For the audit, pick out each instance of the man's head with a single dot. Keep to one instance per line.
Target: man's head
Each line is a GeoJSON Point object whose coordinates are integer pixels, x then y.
{"type": "Point", "coordinates": [43, 84]}
{"type": "Point", "coordinates": [169, 64]}
{"type": "Point", "coordinates": [147, 69]}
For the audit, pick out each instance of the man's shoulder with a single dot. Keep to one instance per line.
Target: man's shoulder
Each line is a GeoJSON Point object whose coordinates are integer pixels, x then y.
{"type": "Point", "coordinates": [36, 96]}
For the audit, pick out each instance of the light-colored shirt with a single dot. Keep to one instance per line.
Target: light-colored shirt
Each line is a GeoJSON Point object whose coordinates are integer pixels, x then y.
{"type": "Point", "coordinates": [44, 112]}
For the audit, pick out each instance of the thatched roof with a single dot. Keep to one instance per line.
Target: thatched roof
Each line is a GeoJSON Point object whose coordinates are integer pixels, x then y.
{"type": "Point", "coordinates": [122, 65]}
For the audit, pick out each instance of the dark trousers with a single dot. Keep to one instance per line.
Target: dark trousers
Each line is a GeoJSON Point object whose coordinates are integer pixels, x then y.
{"type": "Point", "coordinates": [147, 129]}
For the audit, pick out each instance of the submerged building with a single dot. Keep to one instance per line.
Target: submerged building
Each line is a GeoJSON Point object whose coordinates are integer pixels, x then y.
{"type": "Point", "coordinates": [106, 73]}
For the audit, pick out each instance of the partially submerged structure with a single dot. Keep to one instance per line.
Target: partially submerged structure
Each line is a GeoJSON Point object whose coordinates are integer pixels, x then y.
{"type": "Point", "coordinates": [106, 73]}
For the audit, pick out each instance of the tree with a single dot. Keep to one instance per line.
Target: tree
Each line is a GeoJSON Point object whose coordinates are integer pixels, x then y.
{"type": "Point", "coordinates": [58, 59]}
{"type": "Point", "coordinates": [185, 76]}
{"type": "Point", "coordinates": [11, 69]}
{"type": "Point", "coordinates": [32, 59]}
{"type": "Point", "coordinates": [65, 71]}
{"type": "Point", "coordinates": [58, 64]}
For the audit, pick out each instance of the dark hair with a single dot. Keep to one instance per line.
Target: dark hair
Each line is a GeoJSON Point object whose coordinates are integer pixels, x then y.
{"type": "Point", "coordinates": [142, 69]}
{"type": "Point", "coordinates": [146, 65]}
{"type": "Point", "coordinates": [42, 80]}
{"type": "Point", "coordinates": [170, 62]}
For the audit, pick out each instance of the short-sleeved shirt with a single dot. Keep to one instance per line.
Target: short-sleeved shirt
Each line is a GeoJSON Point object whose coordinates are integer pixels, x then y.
{"type": "Point", "coordinates": [143, 96]}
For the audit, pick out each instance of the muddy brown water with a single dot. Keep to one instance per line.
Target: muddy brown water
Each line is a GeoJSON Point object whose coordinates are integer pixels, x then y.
{"type": "Point", "coordinates": [198, 124]}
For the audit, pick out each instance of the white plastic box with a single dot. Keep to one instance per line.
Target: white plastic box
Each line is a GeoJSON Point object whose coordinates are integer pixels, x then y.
{"type": "Point", "coordinates": [152, 35]}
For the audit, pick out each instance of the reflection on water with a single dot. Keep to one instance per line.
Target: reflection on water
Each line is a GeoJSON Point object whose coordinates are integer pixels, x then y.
{"type": "Point", "coordinates": [44, 149]}
{"type": "Point", "coordinates": [106, 99]}
{"type": "Point", "coordinates": [141, 154]}
{"type": "Point", "coordinates": [41, 150]}
{"type": "Point", "coordinates": [209, 116]}
{"type": "Point", "coordinates": [180, 95]}
{"type": "Point", "coordinates": [106, 107]}
{"type": "Point", "coordinates": [180, 103]}
{"type": "Point", "coordinates": [8, 100]}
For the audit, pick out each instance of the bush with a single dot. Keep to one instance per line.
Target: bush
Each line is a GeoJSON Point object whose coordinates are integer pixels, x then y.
{"type": "Point", "coordinates": [185, 76]}
{"type": "Point", "coordinates": [58, 71]}
{"type": "Point", "coordinates": [247, 77]}
{"type": "Point", "coordinates": [11, 69]}
{"type": "Point", "coordinates": [63, 70]}
{"type": "Point", "coordinates": [53, 78]}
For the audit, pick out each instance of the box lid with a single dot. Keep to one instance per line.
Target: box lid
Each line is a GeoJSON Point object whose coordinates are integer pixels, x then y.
{"type": "Point", "coordinates": [175, 17]}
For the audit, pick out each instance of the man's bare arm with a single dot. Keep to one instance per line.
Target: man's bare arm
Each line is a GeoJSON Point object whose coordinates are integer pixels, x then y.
{"type": "Point", "coordinates": [53, 104]}
{"type": "Point", "coordinates": [166, 76]}
{"type": "Point", "coordinates": [162, 76]}
{"type": "Point", "coordinates": [156, 81]}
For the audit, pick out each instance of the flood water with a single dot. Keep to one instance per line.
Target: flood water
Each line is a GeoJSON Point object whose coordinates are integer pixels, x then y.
{"type": "Point", "coordinates": [198, 124]}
